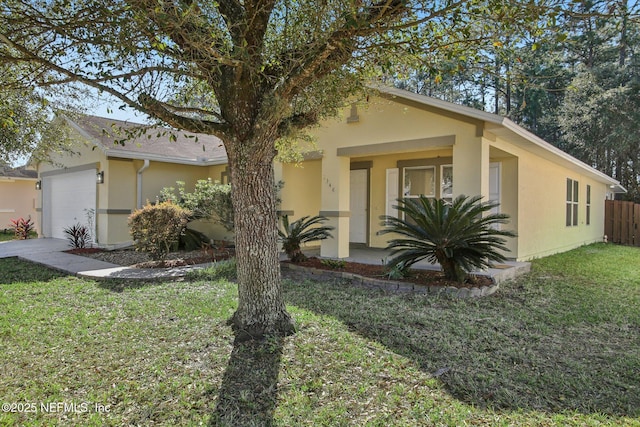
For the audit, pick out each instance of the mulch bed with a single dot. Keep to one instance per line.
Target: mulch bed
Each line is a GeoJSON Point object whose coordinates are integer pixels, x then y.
{"type": "Point", "coordinates": [420, 277]}
{"type": "Point", "coordinates": [180, 259]}
{"type": "Point", "coordinates": [84, 251]}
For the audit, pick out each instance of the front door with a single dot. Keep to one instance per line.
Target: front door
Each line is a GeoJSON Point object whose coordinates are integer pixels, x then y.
{"type": "Point", "coordinates": [358, 206]}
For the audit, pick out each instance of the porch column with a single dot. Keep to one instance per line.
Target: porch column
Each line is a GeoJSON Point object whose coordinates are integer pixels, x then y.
{"type": "Point", "coordinates": [335, 205]}
{"type": "Point", "coordinates": [471, 168]}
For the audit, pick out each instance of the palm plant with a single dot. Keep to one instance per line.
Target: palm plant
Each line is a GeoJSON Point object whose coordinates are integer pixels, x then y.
{"type": "Point", "coordinates": [302, 231]}
{"type": "Point", "coordinates": [460, 236]}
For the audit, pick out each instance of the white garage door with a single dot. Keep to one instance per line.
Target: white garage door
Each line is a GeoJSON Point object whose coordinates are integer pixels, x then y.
{"type": "Point", "coordinates": [66, 199]}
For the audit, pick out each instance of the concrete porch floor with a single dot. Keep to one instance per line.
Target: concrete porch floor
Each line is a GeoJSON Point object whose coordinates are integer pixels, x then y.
{"type": "Point", "coordinates": [366, 255]}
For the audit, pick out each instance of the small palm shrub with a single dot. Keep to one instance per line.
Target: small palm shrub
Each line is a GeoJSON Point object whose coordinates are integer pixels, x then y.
{"type": "Point", "coordinates": [78, 235]}
{"type": "Point", "coordinates": [301, 231]}
{"type": "Point", "coordinates": [334, 264]}
{"type": "Point", "coordinates": [459, 236]}
{"type": "Point", "coordinates": [22, 228]}
{"type": "Point", "coordinates": [156, 229]}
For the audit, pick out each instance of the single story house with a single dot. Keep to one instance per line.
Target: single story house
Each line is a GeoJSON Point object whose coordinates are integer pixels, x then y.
{"type": "Point", "coordinates": [18, 194]}
{"type": "Point", "coordinates": [396, 144]}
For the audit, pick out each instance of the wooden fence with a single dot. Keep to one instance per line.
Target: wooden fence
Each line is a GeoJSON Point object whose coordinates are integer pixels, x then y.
{"type": "Point", "coordinates": [622, 222]}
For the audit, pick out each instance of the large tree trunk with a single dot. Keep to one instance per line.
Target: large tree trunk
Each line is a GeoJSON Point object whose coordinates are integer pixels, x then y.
{"type": "Point", "coordinates": [261, 309]}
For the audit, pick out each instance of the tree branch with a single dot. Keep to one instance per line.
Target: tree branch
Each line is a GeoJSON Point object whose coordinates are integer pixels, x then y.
{"type": "Point", "coordinates": [191, 110]}
{"type": "Point", "coordinates": [159, 109]}
{"type": "Point", "coordinates": [298, 121]}
{"type": "Point", "coordinates": [339, 46]}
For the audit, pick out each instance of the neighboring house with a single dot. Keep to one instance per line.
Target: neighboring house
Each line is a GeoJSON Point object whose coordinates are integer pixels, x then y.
{"type": "Point", "coordinates": [103, 183]}
{"type": "Point", "coordinates": [397, 144]}
{"type": "Point", "coordinates": [17, 194]}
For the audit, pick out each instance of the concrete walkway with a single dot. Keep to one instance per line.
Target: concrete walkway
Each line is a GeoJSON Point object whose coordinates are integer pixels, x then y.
{"type": "Point", "coordinates": [50, 253]}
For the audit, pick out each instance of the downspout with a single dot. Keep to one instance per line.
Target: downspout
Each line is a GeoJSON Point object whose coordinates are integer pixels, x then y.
{"type": "Point", "coordinates": [139, 181]}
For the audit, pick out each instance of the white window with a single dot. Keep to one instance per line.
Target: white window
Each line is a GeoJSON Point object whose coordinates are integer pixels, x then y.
{"type": "Point", "coordinates": [588, 216]}
{"type": "Point", "coordinates": [572, 203]}
{"type": "Point", "coordinates": [419, 181]}
{"type": "Point", "coordinates": [446, 182]}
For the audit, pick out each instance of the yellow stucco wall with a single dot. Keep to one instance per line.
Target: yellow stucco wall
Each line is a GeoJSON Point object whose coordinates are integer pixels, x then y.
{"type": "Point", "coordinates": [386, 120]}
{"type": "Point", "coordinates": [301, 191]}
{"type": "Point", "coordinates": [542, 228]}
{"type": "Point", "coordinates": [116, 200]}
{"type": "Point", "coordinates": [17, 200]}
{"type": "Point", "coordinates": [123, 192]}
{"type": "Point", "coordinates": [83, 154]}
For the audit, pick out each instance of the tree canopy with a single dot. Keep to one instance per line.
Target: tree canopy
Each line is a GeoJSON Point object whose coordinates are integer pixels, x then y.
{"type": "Point", "coordinates": [27, 128]}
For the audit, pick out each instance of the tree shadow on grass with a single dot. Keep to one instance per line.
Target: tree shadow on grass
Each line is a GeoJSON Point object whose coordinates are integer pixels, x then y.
{"type": "Point", "coordinates": [502, 352]}
{"type": "Point", "coordinates": [249, 390]}
{"type": "Point", "coordinates": [120, 285]}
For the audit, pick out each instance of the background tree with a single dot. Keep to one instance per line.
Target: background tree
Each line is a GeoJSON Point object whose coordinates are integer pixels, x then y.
{"type": "Point", "coordinates": [267, 69]}
{"type": "Point", "coordinates": [575, 83]}
{"type": "Point", "coordinates": [27, 126]}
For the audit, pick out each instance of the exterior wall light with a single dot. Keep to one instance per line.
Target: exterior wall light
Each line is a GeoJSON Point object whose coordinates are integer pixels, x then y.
{"type": "Point", "coordinates": [100, 177]}
{"type": "Point", "coordinates": [38, 185]}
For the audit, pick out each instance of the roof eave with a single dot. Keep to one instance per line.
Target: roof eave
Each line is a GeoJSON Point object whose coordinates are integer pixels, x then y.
{"type": "Point", "coordinates": [86, 135]}
{"type": "Point", "coordinates": [506, 123]}
{"type": "Point", "coordinates": [16, 178]}
{"type": "Point", "coordinates": [539, 142]}
{"type": "Point", "coordinates": [443, 105]}
{"type": "Point", "coordinates": [124, 154]}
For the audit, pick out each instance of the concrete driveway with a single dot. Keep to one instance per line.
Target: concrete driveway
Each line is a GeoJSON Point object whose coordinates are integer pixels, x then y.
{"type": "Point", "coordinates": [50, 252]}
{"type": "Point", "coordinates": [32, 246]}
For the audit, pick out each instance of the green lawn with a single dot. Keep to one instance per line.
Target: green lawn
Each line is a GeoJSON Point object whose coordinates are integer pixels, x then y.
{"type": "Point", "coordinates": [7, 234]}
{"type": "Point", "coordinates": [560, 346]}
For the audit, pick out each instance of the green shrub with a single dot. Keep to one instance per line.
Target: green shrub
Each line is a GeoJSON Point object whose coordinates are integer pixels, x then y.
{"type": "Point", "coordinates": [22, 228]}
{"type": "Point", "coordinates": [226, 269]}
{"type": "Point", "coordinates": [302, 231]}
{"type": "Point", "coordinates": [334, 264]}
{"type": "Point", "coordinates": [396, 272]}
{"type": "Point", "coordinates": [210, 199]}
{"type": "Point", "coordinates": [459, 236]}
{"type": "Point", "coordinates": [156, 229]}
{"type": "Point", "coordinates": [78, 235]}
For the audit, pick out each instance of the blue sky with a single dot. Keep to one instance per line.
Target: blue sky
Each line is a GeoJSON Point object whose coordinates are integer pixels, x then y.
{"type": "Point", "coordinates": [107, 106]}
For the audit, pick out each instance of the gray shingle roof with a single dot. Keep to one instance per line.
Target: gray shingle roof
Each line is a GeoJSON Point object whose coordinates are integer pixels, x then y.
{"type": "Point", "coordinates": [156, 143]}
{"type": "Point", "coordinates": [20, 172]}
